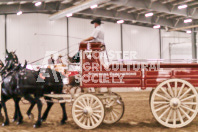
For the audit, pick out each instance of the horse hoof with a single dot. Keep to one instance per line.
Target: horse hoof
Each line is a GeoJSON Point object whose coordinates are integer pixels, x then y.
{"type": "Point", "coordinates": [63, 122]}
{"type": "Point", "coordinates": [31, 116]}
{"type": "Point", "coordinates": [5, 124]}
{"type": "Point", "coordinates": [19, 122]}
{"type": "Point", "coordinates": [43, 120]}
{"type": "Point", "coordinates": [36, 126]}
{"type": "Point", "coordinates": [13, 120]}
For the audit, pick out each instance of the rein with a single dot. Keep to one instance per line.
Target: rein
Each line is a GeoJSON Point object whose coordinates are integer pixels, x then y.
{"type": "Point", "coordinates": [52, 54]}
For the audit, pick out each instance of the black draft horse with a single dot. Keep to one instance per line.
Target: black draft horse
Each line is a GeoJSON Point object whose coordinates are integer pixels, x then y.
{"type": "Point", "coordinates": [22, 82]}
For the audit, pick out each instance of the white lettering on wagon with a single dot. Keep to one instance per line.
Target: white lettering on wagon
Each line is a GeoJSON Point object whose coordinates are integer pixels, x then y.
{"type": "Point", "coordinates": [111, 77]}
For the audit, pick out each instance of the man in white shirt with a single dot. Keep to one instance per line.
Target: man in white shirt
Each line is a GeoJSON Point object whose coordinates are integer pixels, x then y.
{"type": "Point", "coordinates": [96, 36]}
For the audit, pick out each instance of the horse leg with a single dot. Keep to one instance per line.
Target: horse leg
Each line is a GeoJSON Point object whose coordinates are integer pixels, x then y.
{"type": "Point", "coordinates": [18, 112]}
{"type": "Point", "coordinates": [1, 115]}
{"type": "Point", "coordinates": [64, 113]}
{"type": "Point", "coordinates": [15, 113]}
{"type": "Point", "coordinates": [31, 106]}
{"type": "Point", "coordinates": [39, 105]}
{"type": "Point", "coordinates": [49, 106]}
{"type": "Point", "coordinates": [6, 122]}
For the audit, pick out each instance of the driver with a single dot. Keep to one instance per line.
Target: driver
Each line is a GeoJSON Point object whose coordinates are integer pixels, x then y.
{"type": "Point", "coordinates": [96, 36]}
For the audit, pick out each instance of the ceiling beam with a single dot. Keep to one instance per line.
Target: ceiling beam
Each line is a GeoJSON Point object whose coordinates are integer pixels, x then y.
{"type": "Point", "coordinates": [75, 9]}
{"type": "Point", "coordinates": [183, 28]}
{"type": "Point", "coordinates": [125, 16]}
{"type": "Point", "coordinates": [156, 6]}
{"type": "Point", "coordinates": [133, 17]}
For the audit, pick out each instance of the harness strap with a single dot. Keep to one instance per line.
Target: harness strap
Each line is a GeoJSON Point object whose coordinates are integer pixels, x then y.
{"type": "Point", "coordinates": [0, 86]}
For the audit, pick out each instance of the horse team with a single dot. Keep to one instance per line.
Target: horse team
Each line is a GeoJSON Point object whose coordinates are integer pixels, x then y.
{"type": "Point", "coordinates": [17, 82]}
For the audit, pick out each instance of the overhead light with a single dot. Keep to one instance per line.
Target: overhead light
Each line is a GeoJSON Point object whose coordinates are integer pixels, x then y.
{"type": "Point", "coordinates": [69, 15]}
{"type": "Point", "coordinates": [93, 6]}
{"type": "Point", "coordinates": [38, 3]}
{"type": "Point", "coordinates": [156, 26]}
{"type": "Point", "coordinates": [187, 20]}
{"type": "Point", "coordinates": [189, 31]}
{"type": "Point", "coordinates": [19, 13]}
{"type": "Point", "coordinates": [10, 3]}
{"type": "Point", "coordinates": [120, 21]}
{"type": "Point", "coordinates": [149, 14]}
{"type": "Point", "coordinates": [182, 6]}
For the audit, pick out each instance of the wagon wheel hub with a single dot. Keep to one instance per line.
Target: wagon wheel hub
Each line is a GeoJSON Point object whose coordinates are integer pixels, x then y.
{"type": "Point", "coordinates": [109, 108]}
{"type": "Point", "coordinates": [88, 111]}
{"type": "Point", "coordinates": [175, 103]}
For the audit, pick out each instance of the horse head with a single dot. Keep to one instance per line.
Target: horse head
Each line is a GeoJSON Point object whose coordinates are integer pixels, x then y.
{"type": "Point", "coordinates": [11, 61]}
{"type": "Point", "coordinates": [11, 56]}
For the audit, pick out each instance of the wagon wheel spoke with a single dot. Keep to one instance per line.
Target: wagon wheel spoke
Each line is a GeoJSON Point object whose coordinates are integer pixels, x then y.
{"type": "Point", "coordinates": [161, 102]}
{"type": "Point", "coordinates": [162, 97]}
{"type": "Point", "coordinates": [92, 122]}
{"type": "Point", "coordinates": [84, 121]}
{"type": "Point", "coordinates": [164, 112]}
{"type": "Point", "coordinates": [83, 105]}
{"type": "Point", "coordinates": [165, 92]}
{"type": "Point", "coordinates": [187, 98]}
{"type": "Point", "coordinates": [169, 115]}
{"type": "Point", "coordinates": [180, 90]}
{"type": "Point", "coordinates": [96, 107]}
{"type": "Point", "coordinates": [174, 117]}
{"type": "Point", "coordinates": [88, 103]}
{"type": "Point", "coordinates": [112, 117]}
{"type": "Point", "coordinates": [84, 102]}
{"type": "Point", "coordinates": [95, 119]}
{"type": "Point", "coordinates": [161, 108]}
{"type": "Point", "coordinates": [81, 118]}
{"type": "Point", "coordinates": [189, 103]}
{"type": "Point", "coordinates": [187, 108]}
{"type": "Point", "coordinates": [176, 88]}
{"type": "Point", "coordinates": [180, 117]}
{"type": "Point", "coordinates": [114, 114]}
{"type": "Point", "coordinates": [88, 121]}
{"type": "Point", "coordinates": [79, 115]}
{"type": "Point", "coordinates": [79, 107]}
{"type": "Point", "coordinates": [184, 113]}
{"type": "Point", "coordinates": [170, 89]}
{"type": "Point", "coordinates": [185, 93]}
{"type": "Point", "coordinates": [97, 111]}
{"type": "Point", "coordinates": [116, 111]}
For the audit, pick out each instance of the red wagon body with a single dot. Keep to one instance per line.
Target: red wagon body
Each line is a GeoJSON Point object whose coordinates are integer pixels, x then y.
{"type": "Point", "coordinates": [134, 74]}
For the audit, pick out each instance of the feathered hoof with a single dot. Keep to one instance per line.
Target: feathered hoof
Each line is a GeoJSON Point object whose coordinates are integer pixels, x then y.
{"type": "Point", "coordinates": [31, 116]}
{"type": "Point", "coordinates": [43, 120]}
{"type": "Point", "coordinates": [13, 120]}
{"type": "Point", "coordinates": [5, 124]}
{"type": "Point", "coordinates": [19, 122]}
{"type": "Point", "coordinates": [37, 125]}
{"type": "Point", "coordinates": [62, 122]}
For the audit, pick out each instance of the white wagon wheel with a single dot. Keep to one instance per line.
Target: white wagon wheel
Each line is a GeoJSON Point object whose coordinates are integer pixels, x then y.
{"type": "Point", "coordinates": [114, 109]}
{"type": "Point", "coordinates": [88, 111]}
{"type": "Point", "coordinates": [174, 103]}
{"type": "Point", "coordinates": [177, 119]}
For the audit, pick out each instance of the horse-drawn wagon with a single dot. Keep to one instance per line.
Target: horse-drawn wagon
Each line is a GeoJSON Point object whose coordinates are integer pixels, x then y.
{"type": "Point", "coordinates": [173, 100]}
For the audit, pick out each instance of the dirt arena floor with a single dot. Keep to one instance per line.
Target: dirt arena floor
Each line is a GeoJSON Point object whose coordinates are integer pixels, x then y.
{"type": "Point", "coordinates": [137, 117]}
